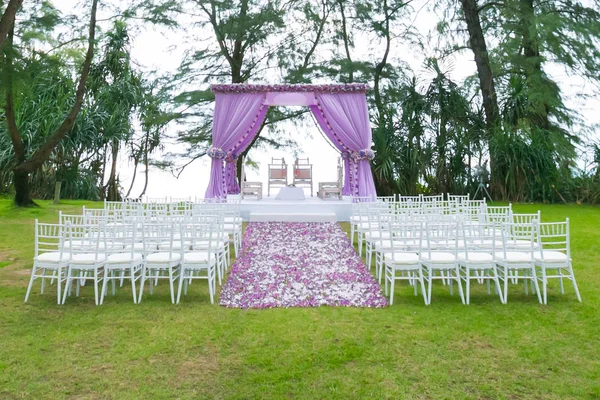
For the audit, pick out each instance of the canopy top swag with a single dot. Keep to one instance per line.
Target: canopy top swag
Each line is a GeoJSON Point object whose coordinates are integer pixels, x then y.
{"type": "Point", "coordinates": [290, 88]}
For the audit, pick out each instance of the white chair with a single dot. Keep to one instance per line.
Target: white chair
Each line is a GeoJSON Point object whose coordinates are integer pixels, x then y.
{"type": "Point", "coordinates": [402, 262]}
{"type": "Point", "coordinates": [359, 220]}
{"type": "Point", "coordinates": [303, 174]}
{"type": "Point", "coordinates": [476, 258]}
{"type": "Point", "coordinates": [553, 258]}
{"type": "Point", "coordinates": [123, 264]}
{"type": "Point", "coordinates": [517, 263]}
{"type": "Point", "coordinates": [440, 256]}
{"type": "Point", "coordinates": [50, 260]}
{"type": "Point", "coordinates": [162, 263]}
{"type": "Point", "coordinates": [200, 262]}
{"type": "Point", "coordinates": [86, 245]}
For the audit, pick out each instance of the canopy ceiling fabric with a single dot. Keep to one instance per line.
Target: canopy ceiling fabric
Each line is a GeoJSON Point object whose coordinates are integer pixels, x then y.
{"type": "Point", "coordinates": [340, 109]}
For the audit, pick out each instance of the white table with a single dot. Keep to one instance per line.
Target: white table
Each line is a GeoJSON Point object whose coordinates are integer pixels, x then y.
{"type": "Point", "coordinates": [290, 193]}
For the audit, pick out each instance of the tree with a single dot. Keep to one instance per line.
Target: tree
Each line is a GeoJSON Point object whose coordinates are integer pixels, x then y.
{"type": "Point", "coordinates": [8, 20]}
{"type": "Point", "coordinates": [24, 164]}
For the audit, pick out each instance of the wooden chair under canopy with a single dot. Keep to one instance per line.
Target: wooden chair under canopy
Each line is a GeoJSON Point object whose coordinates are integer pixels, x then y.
{"type": "Point", "coordinates": [277, 174]}
{"type": "Point", "coordinates": [332, 190]}
{"type": "Point", "coordinates": [303, 174]}
{"type": "Point", "coordinates": [252, 189]}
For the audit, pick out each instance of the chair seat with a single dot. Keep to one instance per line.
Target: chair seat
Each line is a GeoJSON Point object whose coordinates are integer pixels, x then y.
{"type": "Point", "coordinates": [162, 257]}
{"type": "Point", "coordinates": [88, 258]}
{"type": "Point", "coordinates": [121, 258]}
{"type": "Point", "coordinates": [231, 227]}
{"type": "Point", "coordinates": [216, 244]}
{"type": "Point", "coordinates": [197, 257]}
{"type": "Point", "coordinates": [377, 234]}
{"type": "Point", "coordinates": [176, 245]}
{"type": "Point", "coordinates": [359, 218]}
{"type": "Point", "coordinates": [401, 258]}
{"type": "Point", "coordinates": [53, 256]}
{"type": "Point", "coordinates": [476, 257]}
{"type": "Point", "coordinates": [140, 247]}
{"type": "Point", "coordinates": [438, 258]}
{"type": "Point", "coordinates": [550, 256]}
{"type": "Point", "coordinates": [513, 256]}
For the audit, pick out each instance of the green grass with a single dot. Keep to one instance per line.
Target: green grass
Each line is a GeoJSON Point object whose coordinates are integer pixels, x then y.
{"type": "Point", "coordinates": [197, 350]}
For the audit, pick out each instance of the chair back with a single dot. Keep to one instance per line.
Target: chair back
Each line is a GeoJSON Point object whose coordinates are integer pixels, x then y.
{"type": "Point", "coordinates": [554, 236]}
{"type": "Point", "coordinates": [49, 237]}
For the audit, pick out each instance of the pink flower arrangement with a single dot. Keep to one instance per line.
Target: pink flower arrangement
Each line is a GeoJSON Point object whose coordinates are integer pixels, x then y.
{"type": "Point", "coordinates": [299, 265]}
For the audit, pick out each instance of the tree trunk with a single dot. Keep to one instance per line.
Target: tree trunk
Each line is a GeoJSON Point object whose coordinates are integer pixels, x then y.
{"type": "Point", "coordinates": [23, 166]}
{"type": "Point", "coordinates": [346, 39]}
{"type": "Point", "coordinates": [57, 187]}
{"type": "Point", "coordinates": [486, 80]}
{"type": "Point", "coordinates": [135, 166]}
{"type": "Point", "coordinates": [21, 183]}
{"type": "Point", "coordinates": [145, 176]}
{"type": "Point", "coordinates": [113, 189]}
{"type": "Point", "coordinates": [534, 75]}
{"type": "Point", "coordinates": [8, 19]}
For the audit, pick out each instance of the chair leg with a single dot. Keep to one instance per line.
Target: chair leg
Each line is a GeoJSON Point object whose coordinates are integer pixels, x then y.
{"type": "Point", "coordinates": [33, 271]}
{"type": "Point", "coordinates": [104, 285]}
{"type": "Point", "coordinates": [68, 283]}
{"type": "Point", "coordinates": [574, 283]}
{"type": "Point", "coordinates": [133, 278]}
{"type": "Point", "coordinates": [467, 284]}
{"type": "Point", "coordinates": [171, 285]}
{"type": "Point", "coordinates": [536, 285]}
{"type": "Point", "coordinates": [142, 281]}
{"type": "Point", "coordinates": [181, 279]}
{"type": "Point", "coordinates": [423, 287]}
{"type": "Point", "coordinates": [392, 286]}
{"type": "Point", "coordinates": [96, 285]}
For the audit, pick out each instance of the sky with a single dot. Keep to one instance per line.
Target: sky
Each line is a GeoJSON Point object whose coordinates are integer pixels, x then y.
{"type": "Point", "coordinates": [162, 50]}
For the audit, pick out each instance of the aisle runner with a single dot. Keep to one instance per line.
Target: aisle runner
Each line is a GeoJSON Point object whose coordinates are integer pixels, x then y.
{"type": "Point", "coordinates": [299, 265]}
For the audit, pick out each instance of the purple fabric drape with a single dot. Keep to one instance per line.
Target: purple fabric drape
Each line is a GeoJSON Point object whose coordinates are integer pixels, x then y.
{"type": "Point", "coordinates": [344, 118]}
{"type": "Point", "coordinates": [237, 118]}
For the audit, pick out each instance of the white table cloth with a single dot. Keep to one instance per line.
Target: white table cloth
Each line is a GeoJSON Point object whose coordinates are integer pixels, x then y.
{"type": "Point", "coordinates": [290, 193]}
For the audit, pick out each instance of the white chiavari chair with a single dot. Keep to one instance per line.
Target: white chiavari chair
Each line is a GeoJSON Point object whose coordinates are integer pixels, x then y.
{"type": "Point", "coordinates": [124, 260]}
{"type": "Point", "coordinates": [476, 258]}
{"type": "Point", "coordinates": [86, 245]}
{"type": "Point", "coordinates": [439, 259]}
{"type": "Point", "coordinates": [200, 261]}
{"type": "Point", "coordinates": [50, 259]}
{"type": "Point", "coordinates": [516, 263]}
{"type": "Point", "coordinates": [402, 262]}
{"type": "Point", "coordinates": [163, 262]}
{"type": "Point", "coordinates": [553, 257]}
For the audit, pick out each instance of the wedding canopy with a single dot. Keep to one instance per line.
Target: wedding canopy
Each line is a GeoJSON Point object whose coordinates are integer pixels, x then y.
{"type": "Point", "coordinates": [340, 110]}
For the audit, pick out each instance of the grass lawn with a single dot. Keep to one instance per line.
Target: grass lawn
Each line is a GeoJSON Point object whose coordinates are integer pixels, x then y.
{"type": "Point", "coordinates": [198, 350]}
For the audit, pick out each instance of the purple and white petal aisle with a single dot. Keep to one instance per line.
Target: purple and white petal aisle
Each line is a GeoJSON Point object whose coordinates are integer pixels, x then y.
{"type": "Point", "coordinates": [287, 264]}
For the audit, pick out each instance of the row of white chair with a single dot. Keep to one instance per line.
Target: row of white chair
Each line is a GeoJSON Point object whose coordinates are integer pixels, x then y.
{"type": "Point", "coordinates": [107, 245]}
{"type": "Point", "coordinates": [495, 245]}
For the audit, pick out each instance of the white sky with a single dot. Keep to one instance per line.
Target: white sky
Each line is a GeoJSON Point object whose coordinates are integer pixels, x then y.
{"type": "Point", "coordinates": [154, 49]}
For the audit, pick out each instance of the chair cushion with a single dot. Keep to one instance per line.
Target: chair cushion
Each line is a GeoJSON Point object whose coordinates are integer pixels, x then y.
{"type": "Point", "coordinates": [359, 218]}
{"type": "Point", "coordinates": [199, 257]}
{"type": "Point", "coordinates": [165, 245]}
{"type": "Point", "coordinates": [121, 258]}
{"type": "Point", "coordinates": [140, 247]}
{"type": "Point", "coordinates": [53, 256]}
{"type": "Point", "coordinates": [231, 227]}
{"type": "Point", "coordinates": [513, 256]}
{"type": "Point", "coordinates": [550, 256]}
{"type": "Point", "coordinates": [401, 258]}
{"type": "Point", "coordinates": [438, 257]}
{"type": "Point", "coordinates": [162, 257]}
{"type": "Point", "coordinates": [87, 258]}
{"type": "Point", "coordinates": [476, 257]}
